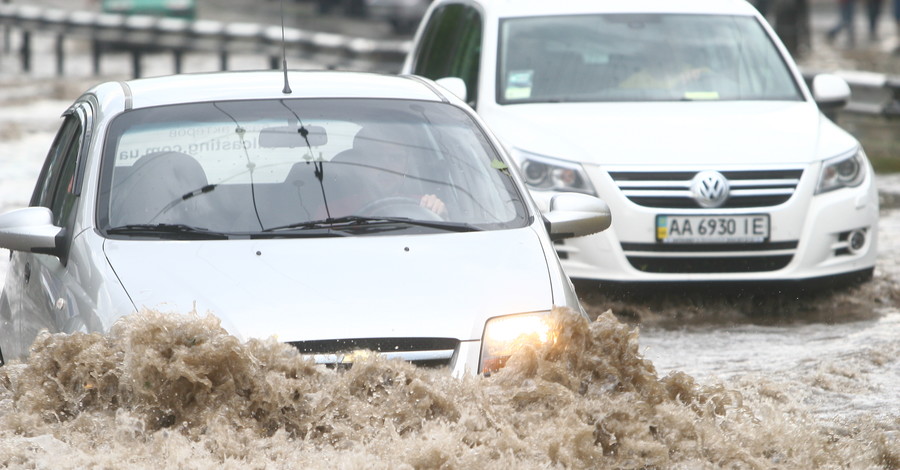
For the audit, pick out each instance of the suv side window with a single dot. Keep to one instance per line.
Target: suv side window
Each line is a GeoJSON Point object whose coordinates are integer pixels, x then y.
{"type": "Point", "coordinates": [451, 47]}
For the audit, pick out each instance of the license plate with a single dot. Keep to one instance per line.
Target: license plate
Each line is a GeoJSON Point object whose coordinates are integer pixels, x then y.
{"type": "Point", "coordinates": [712, 228]}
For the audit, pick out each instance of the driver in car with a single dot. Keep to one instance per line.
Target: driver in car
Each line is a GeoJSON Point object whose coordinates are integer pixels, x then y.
{"type": "Point", "coordinates": [394, 173]}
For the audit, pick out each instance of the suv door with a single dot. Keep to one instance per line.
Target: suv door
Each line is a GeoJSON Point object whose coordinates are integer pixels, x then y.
{"type": "Point", "coordinates": [450, 46]}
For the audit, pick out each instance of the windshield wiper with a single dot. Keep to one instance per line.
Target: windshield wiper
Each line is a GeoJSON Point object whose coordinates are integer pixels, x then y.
{"type": "Point", "coordinates": [355, 221]}
{"type": "Point", "coordinates": [169, 230]}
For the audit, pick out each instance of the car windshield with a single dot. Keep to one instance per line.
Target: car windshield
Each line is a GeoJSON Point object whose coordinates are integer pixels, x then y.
{"type": "Point", "coordinates": [640, 57]}
{"type": "Point", "coordinates": [302, 166]}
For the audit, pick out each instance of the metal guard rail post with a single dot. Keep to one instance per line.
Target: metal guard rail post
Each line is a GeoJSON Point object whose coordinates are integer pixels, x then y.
{"type": "Point", "coordinates": [140, 33]}
{"type": "Point", "coordinates": [872, 93]}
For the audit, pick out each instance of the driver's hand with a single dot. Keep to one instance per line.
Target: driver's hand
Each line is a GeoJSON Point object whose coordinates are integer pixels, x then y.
{"type": "Point", "coordinates": [434, 204]}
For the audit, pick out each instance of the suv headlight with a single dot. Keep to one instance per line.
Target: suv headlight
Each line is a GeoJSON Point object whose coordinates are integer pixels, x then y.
{"type": "Point", "coordinates": [505, 335]}
{"type": "Point", "coordinates": [550, 174]}
{"type": "Point", "coordinates": [842, 172]}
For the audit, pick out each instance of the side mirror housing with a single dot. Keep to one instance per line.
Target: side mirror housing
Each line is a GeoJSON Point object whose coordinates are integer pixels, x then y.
{"type": "Point", "coordinates": [30, 229]}
{"type": "Point", "coordinates": [576, 215]}
{"type": "Point", "coordinates": [830, 91]}
{"type": "Point", "coordinates": [454, 85]}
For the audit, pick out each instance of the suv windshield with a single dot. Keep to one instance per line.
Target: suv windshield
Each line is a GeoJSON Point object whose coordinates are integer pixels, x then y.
{"type": "Point", "coordinates": [640, 57]}
{"type": "Point", "coordinates": [297, 167]}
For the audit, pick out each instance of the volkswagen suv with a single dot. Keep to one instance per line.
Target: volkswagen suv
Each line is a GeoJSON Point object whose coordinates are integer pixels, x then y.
{"type": "Point", "coordinates": [689, 118]}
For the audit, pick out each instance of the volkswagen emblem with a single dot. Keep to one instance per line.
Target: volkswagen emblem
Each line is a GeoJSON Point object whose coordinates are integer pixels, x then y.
{"type": "Point", "coordinates": [709, 189]}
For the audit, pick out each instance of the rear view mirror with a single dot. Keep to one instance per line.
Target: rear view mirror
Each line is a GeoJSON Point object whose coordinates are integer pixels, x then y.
{"type": "Point", "coordinates": [29, 229]}
{"type": "Point", "coordinates": [830, 90]}
{"type": "Point", "coordinates": [576, 215]}
{"type": "Point", "coordinates": [454, 85]}
{"type": "Point", "coordinates": [292, 137]}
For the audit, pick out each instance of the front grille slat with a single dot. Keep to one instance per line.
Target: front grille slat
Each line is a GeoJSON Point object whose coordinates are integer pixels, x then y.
{"type": "Point", "coordinates": [775, 183]}
{"type": "Point", "coordinates": [430, 352]}
{"type": "Point", "coordinates": [671, 189]}
{"type": "Point", "coordinates": [645, 193]}
{"type": "Point", "coordinates": [761, 192]}
{"type": "Point", "coordinates": [705, 265]}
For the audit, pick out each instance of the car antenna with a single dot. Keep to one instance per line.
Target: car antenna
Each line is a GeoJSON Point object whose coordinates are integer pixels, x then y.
{"type": "Point", "coordinates": [287, 86]}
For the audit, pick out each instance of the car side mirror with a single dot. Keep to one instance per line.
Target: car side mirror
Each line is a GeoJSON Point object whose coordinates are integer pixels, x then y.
{"type": "Point", "coordinates": [30, 229]}
{"type": "Point", "coordinates": [454, 85]}
{"type": "Point", "coordinates": [830, 91]}
{"type": "Point", "coordinates": [576, 215]}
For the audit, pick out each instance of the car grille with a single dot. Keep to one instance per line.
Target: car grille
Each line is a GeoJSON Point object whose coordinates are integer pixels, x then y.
{"type": "Point", "coordinates": [672, 189]}
{"type": "Point", "coordinates": [709, 258]}
{"type": "Point", "coordinates": [700, 265]}
{"type": "Point", "coordinates": [425, 352]}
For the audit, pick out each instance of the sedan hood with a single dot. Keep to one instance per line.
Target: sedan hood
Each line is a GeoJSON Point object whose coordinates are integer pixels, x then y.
{"type": "Point", "coordinates": [439, 285]}
{"type": "Point", "coordinates": [679, 133]}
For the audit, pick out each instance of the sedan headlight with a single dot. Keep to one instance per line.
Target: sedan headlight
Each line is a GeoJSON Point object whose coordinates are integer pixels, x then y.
{"type": "Point", "coordinates": [505, 335]}
{"type": "Point", "coordinates": [842, 172]}
{"type": "Point", "coordinates": [546, 173]}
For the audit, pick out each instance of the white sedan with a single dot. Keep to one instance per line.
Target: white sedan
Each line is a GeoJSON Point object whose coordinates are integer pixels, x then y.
{"type": "Point", "coordinates": [336, 211]}
{"type": "Point", "coordinates": [689, 118]}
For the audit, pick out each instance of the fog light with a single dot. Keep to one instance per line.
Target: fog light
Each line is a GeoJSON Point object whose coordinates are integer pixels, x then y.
{"type": "Point", "coordinates": [856, 241]}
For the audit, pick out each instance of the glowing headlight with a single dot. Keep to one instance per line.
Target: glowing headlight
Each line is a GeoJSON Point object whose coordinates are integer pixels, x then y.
{"type": "Point", "coordinates": [504, 335]}
{"type": "Point", "coordinates": [550, 174]}
{"type": "Point", "coordinates": [842, 172]}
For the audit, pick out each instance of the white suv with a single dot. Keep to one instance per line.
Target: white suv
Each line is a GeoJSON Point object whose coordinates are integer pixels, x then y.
{"type": "Point", "coordinates": [689, 118]}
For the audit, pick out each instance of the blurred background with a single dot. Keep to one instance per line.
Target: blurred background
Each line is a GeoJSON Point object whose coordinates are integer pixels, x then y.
{"type": "Point", "coordinates": [86, 41]}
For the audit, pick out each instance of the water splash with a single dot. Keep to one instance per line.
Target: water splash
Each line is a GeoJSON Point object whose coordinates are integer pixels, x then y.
{"type": "Point", "coordinates": [164, 390]}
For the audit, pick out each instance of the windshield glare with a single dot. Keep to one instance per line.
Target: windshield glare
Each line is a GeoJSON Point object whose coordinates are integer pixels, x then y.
{"type": "Point", "coordinates": [646, 57]}
{"type": "Point", "coordinates": [245, 167]}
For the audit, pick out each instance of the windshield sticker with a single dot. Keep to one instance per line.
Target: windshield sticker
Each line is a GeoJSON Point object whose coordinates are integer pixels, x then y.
{"type": "Point", "coordinates": [518, 84]}
{"type": "Point", "coordinates": [701, 95]}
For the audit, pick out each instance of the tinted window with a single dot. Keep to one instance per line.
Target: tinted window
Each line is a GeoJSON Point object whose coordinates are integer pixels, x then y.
{"type": "Point", "coordinates": [648, 57]}
{"type": "Point", "coordinates": [64, 191]}
{"type": "Point", "coordinates": [451, 47]}
{"type": "Point", "coordinates": [65, 146]}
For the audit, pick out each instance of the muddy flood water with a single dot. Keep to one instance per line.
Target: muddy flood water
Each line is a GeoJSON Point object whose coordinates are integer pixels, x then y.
{"type": "Point", "coordinates": [769, 379]}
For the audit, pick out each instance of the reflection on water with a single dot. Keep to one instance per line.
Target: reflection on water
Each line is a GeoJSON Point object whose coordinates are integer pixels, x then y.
{"type": "Point", "coordinates": [171, 391]}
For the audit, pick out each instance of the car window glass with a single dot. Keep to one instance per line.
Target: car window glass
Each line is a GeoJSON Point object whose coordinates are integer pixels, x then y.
{"type": "Point", "coordinates": [647, 57]}
{"type": "Point", "coordinates": [245, 167]}
{"type": "Point", "coordinates": [440, 31]}
{"type": "Point", "coordinates": [64, 191]}
{"type": "Point", "coordinates": [69, 132]}
{"type": "Point", "coordinates": [466, 63]}
{"type": "Point", "coordinates": [451, 46]}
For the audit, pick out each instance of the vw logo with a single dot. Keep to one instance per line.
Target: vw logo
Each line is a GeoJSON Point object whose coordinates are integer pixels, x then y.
{"type": "Point", "coordinates": [709, 188]}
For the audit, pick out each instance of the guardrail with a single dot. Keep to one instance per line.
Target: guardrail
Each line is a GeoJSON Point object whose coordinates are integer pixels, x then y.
{"type": "Point", "coordinates": [139, 34]}
{"type": "Point", "coordinates": [872, 93]}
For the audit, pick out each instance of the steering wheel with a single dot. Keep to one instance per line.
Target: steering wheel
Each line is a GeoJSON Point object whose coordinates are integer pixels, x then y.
{"type": "Point", "coordinates": [398, 206]}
